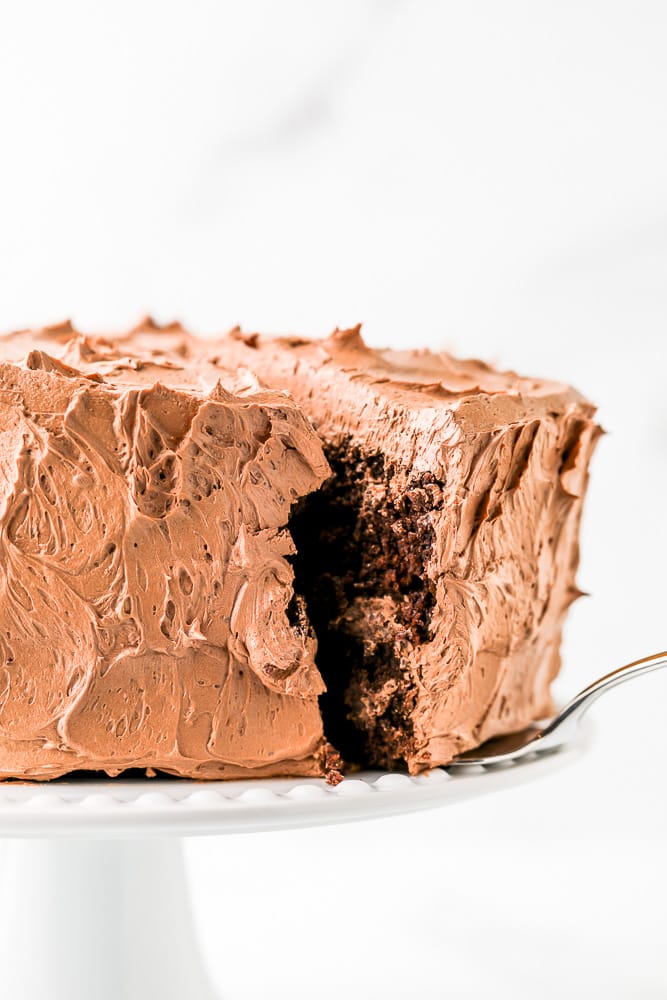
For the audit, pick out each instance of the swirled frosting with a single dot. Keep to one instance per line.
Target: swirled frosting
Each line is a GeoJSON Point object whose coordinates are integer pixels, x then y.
{"type": "Point", "coordinates": [147, 616]}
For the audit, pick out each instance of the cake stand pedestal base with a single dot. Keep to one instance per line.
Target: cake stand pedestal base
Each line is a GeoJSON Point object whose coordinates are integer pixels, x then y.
{"type": "Point", "coordinates": [100, 909]}
{"type": "Point", "coordinates": [102, 919]}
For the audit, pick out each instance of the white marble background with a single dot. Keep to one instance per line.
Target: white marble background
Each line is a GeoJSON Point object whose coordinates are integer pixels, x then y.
{"type": "Point", "coordinates": [487, 177]}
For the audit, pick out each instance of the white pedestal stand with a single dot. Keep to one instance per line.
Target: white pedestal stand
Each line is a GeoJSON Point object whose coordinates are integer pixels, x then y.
{"type": "Point", "coordinates": [94, 902]}
{"type": "Point", "coordinates": [96, 919]}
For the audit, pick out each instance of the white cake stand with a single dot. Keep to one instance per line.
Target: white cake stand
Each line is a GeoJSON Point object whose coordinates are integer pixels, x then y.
{"type": "Point", "coordinates": [94, 902]}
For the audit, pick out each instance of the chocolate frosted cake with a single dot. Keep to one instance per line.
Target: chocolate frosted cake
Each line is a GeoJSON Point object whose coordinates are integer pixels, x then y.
{"type": "Point", "coordinates": [155, 612]}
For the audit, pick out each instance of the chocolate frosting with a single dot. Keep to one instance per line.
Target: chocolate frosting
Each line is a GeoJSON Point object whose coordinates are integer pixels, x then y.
{"type": "Point", "coordinates": [144, 579]}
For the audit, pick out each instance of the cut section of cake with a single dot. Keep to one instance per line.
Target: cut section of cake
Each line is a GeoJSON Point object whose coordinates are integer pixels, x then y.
{"type": "Point", "coordinates": [438, 561]}
{"type": "Point", "coordinates": [147, 612]}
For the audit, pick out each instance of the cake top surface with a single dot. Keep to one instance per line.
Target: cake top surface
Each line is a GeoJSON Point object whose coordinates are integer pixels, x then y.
{"type": "Point", "coordinates": [434, 396]}
{"type": "Point", "coordinates": [170, 354]}
{"type": "Point", "coordinates": [391, 398]}
{"type": "Point", "coordinates": [421, 374]}
{"type": "Point", "coordinates": [139, 359]}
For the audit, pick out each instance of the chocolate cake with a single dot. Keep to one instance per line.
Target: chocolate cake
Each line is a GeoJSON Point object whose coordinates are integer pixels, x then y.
{"type": "Point", "coordinates": [147, 613]}
{"type": "Point", "coordinates": [155, 613]}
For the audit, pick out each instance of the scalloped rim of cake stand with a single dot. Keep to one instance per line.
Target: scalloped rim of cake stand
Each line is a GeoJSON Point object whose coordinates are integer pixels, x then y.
{"type": "Point", "coordinates": [182, 808]}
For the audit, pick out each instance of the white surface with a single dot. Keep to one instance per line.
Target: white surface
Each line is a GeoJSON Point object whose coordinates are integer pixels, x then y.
{"type": "Point", "coordinates": [489, 177]}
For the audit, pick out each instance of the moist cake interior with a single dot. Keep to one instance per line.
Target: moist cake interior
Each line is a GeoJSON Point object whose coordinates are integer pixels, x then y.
{"type": "Point", "coordinates": [356, 544]}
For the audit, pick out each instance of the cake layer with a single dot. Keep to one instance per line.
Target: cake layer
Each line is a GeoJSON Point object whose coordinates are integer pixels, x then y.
{"type": "Point", "coordinates": [147, 616]}
{"type": "Point", "coordinates": [439, 560]}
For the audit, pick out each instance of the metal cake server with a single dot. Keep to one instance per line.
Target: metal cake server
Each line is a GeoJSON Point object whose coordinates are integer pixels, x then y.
{"type": "Point", "coordinates": [560, 730]}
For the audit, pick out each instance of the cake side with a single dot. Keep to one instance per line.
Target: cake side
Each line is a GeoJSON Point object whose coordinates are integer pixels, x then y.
{"type": "Point", "coordinates": [446, 540]}
{"type": "Point", "coordinates": [147, 615]}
